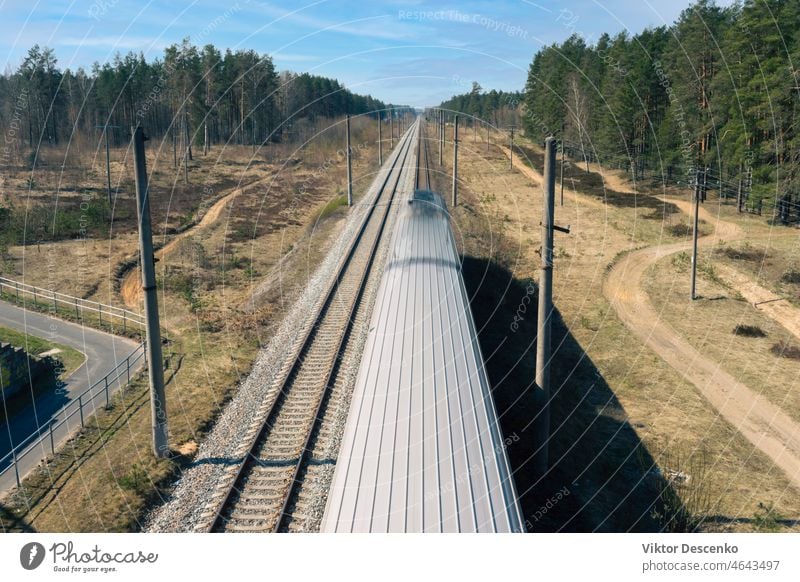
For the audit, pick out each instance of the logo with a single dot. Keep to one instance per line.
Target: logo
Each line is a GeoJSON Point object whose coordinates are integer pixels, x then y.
{"type": "Point", "coordinates": [31, 555]}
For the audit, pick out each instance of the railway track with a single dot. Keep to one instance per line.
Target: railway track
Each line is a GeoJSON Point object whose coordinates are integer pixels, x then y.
{"type": "Point", "coordinates": [307, 501]}
{"type": "Point", "coordinates": [263, 495]}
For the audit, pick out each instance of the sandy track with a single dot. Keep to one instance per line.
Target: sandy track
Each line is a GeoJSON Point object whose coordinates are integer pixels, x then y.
{"type": "Point", "coordinates": [765, 425]}
{"type": "Point", "coordinates": [131, 287]}
{"type": "Point", "coordinates": [761, 422]}
{"type": "Point", "coordinates": [778, 308]}
{"type": "Point", "coordinates": [522, 167]}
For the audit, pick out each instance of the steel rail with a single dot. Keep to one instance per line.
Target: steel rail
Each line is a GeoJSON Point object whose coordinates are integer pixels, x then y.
{"type": "Point", "coordinates": [227, 503]}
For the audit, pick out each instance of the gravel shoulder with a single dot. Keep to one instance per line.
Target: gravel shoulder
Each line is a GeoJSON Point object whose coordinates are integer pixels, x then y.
{"type": "Point", "coordinates": [219, 455]}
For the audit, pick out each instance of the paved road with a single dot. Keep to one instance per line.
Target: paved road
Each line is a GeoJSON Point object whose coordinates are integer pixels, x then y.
{"type": "Point", "coordinates": [23, 413]}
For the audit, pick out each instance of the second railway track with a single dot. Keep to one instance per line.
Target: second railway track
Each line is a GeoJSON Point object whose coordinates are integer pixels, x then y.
{"type": "Point", "coordinates": [263, 493]}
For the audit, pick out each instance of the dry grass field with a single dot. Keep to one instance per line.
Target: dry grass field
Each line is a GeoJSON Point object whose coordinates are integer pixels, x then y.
{"type": "Point", "coordinates": [243, 254]}
{"type": "Point", "coordinates": [637, 446]}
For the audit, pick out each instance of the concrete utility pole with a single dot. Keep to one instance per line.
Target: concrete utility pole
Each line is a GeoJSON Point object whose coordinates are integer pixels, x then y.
{"type": "Point", "coordinates": [391, 129]}
{"type": "Point", "coordinates": [562, 173]}
{"type": "Point", "coordinates": [562, 165]}
{"type": "Point", "coordinates": [441, 136]}
{"type": "Point", "coordinates": [744, 188]}
{"type": "Point", "coordinates": [105, 129]}
{"type": "Point", "coordinates": [455, 161]}
{"type": "Point", "coordinates": [187, 154]}
{"type": "Point", "coordinates": [511, 149]}
{"type": "Point", "coordinates": [739, 191]}
{"type": "Point", "coordinates": [349, 165]}
{"type": "Point", "coordinates": [543, 349]}
{"type": "Point", "coordinates": [699, 187]}
{"type": "Point", "coordinates": [380, 141]}
{"type": "Point", "coordinates": [108, 166]}
{"type": "Point", "coordinates": [158, 402]}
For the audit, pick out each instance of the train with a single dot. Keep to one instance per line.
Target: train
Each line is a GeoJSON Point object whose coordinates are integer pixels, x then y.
{"type": "Point", "coordinates": [422, 449]}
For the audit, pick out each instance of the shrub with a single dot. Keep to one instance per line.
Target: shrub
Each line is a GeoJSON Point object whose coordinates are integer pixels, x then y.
{"type": "Point", "coordinates": [749, 331]}
{"type": "Point", "coordinates": [746, 253]}
{"type": "Point", "coordinates": [680, 230]}
{"type": "Point", "coordinates": [684, 500]}
{"type": "Point", "coordinates": [766, 518]}
{"type": "Point", "coordinates": [137, 480]}
{"type": "Point", "coordinates": [791, 277]}
{"type": "Point", "coordinates": [784, 349]}
{"type": "Point", "coordinates": [681, 260]}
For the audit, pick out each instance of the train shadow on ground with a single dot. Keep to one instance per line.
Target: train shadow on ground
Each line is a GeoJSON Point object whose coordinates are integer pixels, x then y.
{"type": "Point", "coordinates": [602, 478]}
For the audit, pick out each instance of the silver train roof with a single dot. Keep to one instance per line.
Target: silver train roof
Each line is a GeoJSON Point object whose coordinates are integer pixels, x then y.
{"type": "Point", "coordinates": [422, 450]}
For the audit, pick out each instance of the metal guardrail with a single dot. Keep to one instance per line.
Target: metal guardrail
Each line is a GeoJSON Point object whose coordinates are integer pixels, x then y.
{"type": "Point", "coordinates": [35, 442]}
{"type": "Point", "coordinates": [70, 303]}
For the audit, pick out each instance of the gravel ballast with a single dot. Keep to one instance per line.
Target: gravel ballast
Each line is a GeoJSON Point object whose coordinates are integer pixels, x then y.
{"type": "Point", "coordinates": [187, 507]}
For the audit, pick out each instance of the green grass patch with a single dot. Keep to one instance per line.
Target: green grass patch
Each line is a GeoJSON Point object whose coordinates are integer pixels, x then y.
{"type": "Point", "coordinates": [70, 358]}
{"type": "Point", "coordinates": [331, 207]}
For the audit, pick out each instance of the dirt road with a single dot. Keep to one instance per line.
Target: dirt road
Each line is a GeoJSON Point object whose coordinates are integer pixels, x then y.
{"type": "Point", "coordinates": [761, 422]}
{"type": "Point", "coordinates": [765, 425]}
{"type": "Point", "coordinates": [131, 287]}
{"type": "Point", "coordinates": [777, 308]}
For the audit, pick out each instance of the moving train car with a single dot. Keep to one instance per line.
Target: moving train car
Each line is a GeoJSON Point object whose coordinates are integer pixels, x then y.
{"type": "Point", "coordinates": [422, 450]}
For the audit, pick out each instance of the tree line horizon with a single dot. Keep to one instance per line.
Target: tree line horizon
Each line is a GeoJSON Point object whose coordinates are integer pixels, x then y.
{"type": "Point", "coordinates": [200, 95]}
{"type": "Point", "coordinates": [717, 89]}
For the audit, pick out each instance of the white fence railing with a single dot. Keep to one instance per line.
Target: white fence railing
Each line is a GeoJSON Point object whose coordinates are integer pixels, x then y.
{"type": "Point", "coordinates": [49, 436]}
{"type": "Point", "coordinates": [114, 316]}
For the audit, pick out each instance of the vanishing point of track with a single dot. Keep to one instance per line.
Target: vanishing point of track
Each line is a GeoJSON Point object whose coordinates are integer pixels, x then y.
{"type": "Point", "coordinates": [259, 498]}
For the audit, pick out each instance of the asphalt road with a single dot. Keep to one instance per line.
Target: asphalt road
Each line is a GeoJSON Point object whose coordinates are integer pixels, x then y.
{"type": "Point", "coordinates": [24, 413]}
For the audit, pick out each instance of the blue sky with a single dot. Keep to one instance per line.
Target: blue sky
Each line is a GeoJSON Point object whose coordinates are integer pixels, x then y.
{"type": "Point", "coordinates": [411, 52]}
